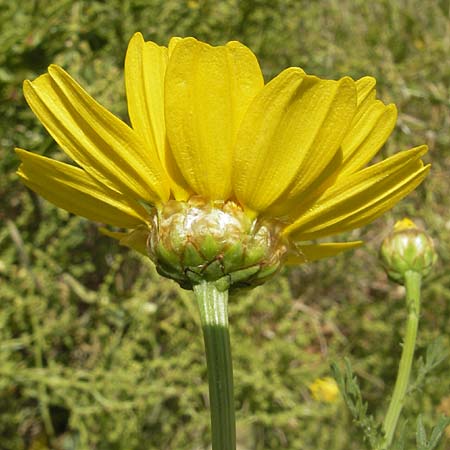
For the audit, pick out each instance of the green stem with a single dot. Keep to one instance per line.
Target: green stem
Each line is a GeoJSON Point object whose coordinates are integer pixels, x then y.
{"type": "Point", "coordinates": [412, 284]}
{"type": "Point", "coordinates": [213, 306]}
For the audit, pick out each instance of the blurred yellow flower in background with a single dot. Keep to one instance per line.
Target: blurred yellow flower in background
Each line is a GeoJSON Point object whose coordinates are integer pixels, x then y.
{"type": "Point", "coordinates": [444, 408]}
{"type": "Point", "coordinates": [209, 138]}
{"type": "Point", "coordinates": [324, 390]}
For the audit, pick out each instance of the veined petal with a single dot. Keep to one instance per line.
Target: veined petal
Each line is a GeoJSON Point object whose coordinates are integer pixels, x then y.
{"type": "Point", "coordinates": [365, 87]}
{"type": "Point", "coordinates": [363, 195]}
{"type": "Point", "coordinates": [312, 252]}
{"type": "Point", "coordinates": [145, 70]}
{"type": "Point", "coordinates": [98, 141]}
{"type": "Point", "coordinates": [371, 126]}
{"type": "Point", "coordinates": [358, 181]}
{"type": "Point", "coordinates": [379, 206]}
{"type": "Point", "coordinates": [365, 95]}
{"type": "Point", "coordinates": [207, 91]}
{"type": "Point", "coordinates": [290, 133]}
{"type": "Point", "coordinates": [366, 136]}
{"type": "Point", "coordinates": [173, 43]}
{"type": "Point", "coordinates": [72, 189]}
{"type": "Point", "coordinates": [135, 239]}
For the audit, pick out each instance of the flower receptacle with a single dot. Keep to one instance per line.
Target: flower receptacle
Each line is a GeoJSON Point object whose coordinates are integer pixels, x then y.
{"type": "Point", "coordinates": [198, 241]}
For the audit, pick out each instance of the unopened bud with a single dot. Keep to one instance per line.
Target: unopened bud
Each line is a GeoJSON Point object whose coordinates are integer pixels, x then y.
{"type": "Point", "coordinates": [407, 248]}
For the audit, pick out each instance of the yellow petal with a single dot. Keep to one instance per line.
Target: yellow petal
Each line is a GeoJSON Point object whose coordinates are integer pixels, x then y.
{"type": "Point", "coordinates": [173, 43]}
{"type": "Point", "coordinates": [379, 206]}
{"type": "Point", "coordinates": [145, 69]}
{"type": "Point", "coordinates": [207, 92]}
{"type": "Point", "coordinates": [361, 197]}
{"type": "Point", "coordinates": [312, 252]}
{"type": "Point", "coordinates": [371, 126]}
{"type": "Point", "coordinates": [72, 189]}
{"type": "Point", "coordinates": [135, 239]}
{"type": "Point", "coordinates": [365, 94]}
{"type": "Point", "coordinates": [290, 133]}
{"type": "Point", "coordinates": [98, 141]}
{"type": "Point", "coordinates": [365, 87]}
{"type": "Point", "coordinates": [366, 136]}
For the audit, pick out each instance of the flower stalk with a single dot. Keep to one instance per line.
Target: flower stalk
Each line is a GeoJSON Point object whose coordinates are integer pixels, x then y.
{"type": "Point", "coordinates": [412, 282]}
{"type": "Point", "coordinates": [213, 307]}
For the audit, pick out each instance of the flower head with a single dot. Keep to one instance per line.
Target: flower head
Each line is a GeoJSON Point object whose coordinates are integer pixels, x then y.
{"type": "Point", "coordinates": [220, 175]}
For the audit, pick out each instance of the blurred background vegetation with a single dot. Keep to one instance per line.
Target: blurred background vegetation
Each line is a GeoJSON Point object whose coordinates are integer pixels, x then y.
{"type": "Point", "coordinates": [98, 352]}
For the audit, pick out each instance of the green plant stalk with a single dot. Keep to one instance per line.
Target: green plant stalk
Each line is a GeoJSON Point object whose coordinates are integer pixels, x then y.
{"type": "Point", "coordinates": [412, 285]}
{"type": "Point", "coordinates": [213, 306]}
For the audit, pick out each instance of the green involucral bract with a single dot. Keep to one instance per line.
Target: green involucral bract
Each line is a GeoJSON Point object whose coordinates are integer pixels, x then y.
{"type": "Point", "coordinates": [197, 241]}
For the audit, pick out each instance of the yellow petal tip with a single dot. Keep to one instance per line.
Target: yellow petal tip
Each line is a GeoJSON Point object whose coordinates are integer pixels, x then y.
{"type": "Point", "coordinates": [137, 35]}
{"type": "Point", "coordinates": [21, 153]}
{"type": "Point", "coordinates": [404, 224]}
{"type": "Point", "coordinates": [421, 149]}
{"type": "Point", "coordinates": [368, 81]}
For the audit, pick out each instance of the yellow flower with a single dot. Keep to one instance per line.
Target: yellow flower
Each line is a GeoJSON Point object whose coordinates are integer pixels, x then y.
{"type": "Point", "coordinates": [209, 138]}
{"type": "Point", "coordinates": [324, 390]}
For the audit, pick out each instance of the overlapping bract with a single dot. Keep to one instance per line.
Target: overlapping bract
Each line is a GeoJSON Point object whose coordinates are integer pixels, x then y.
{"type": "Point", "coordinates": [203, 123]}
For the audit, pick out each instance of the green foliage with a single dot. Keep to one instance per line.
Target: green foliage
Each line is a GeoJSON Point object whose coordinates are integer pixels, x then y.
{"type": "Point", "coordinates": [99, 352]}
{"type": "Point", "coordinates": [436, 353]}
{"type": "Point", "coordinates": [370, 427]}
{"type": "Point", "coordinates": [348, 385]}
{"type": "Point", "coordinates": [421, 436]}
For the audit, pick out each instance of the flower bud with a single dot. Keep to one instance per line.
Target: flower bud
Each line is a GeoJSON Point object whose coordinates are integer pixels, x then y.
{"type": "Point", "coordinates": [407, 248]}
{"type": "Point", "coordinates": [199, 240]}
